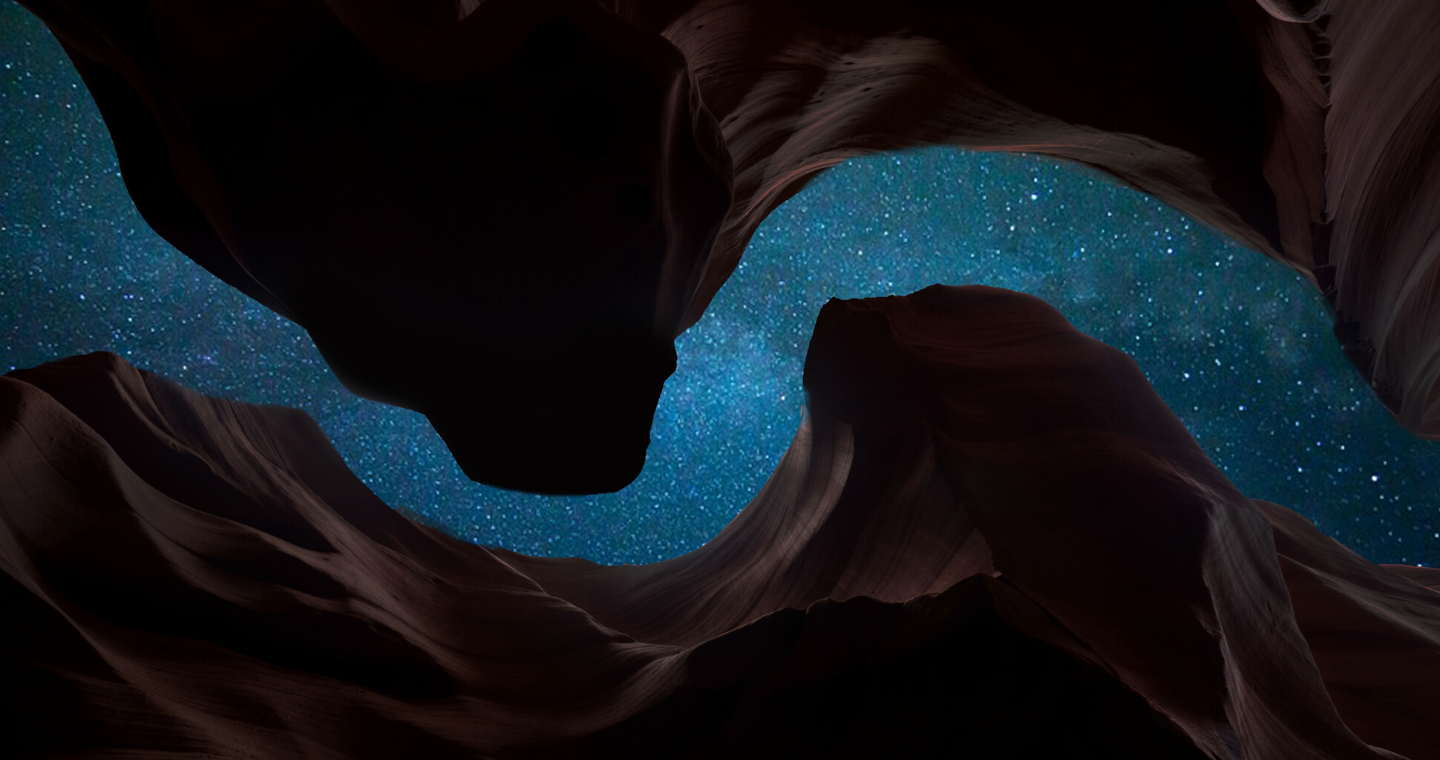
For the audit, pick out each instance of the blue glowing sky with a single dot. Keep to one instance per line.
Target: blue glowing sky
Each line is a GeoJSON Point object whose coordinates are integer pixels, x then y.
{"type": "Point", "coordinates": [1237, 345]}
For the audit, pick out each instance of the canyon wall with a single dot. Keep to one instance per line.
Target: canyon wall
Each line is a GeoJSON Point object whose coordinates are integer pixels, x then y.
{"type": "Point", "coordinates": [989, 536]}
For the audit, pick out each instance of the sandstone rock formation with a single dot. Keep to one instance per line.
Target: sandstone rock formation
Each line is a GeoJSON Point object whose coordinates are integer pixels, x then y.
{"type": "Point", "coordinates": [989, 537]}
{"type": "Point", "coordinates": [470, 205]}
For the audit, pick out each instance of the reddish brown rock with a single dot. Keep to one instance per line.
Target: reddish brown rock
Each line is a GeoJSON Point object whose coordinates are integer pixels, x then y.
{"type": "Point", "coordinates": [1374, 632]}
{"type": "Point", "coordinates": [1308, 130]}
{"type": "Point", "coordinates": [989, 536]}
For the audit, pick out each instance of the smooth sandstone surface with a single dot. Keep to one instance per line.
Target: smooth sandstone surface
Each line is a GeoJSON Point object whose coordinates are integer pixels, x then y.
{"type": "Point", "coordinates": [989, 536]}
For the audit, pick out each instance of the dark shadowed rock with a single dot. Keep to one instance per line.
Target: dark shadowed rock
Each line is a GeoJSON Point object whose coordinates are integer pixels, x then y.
{"type": "Point", "coordinates": [989, 537]}
{"type": "Point", "coordinates": [478, 220]}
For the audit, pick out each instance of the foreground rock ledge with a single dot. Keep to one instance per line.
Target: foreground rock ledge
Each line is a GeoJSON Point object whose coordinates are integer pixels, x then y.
{"type": "Point", "coordinates": [989, 537]}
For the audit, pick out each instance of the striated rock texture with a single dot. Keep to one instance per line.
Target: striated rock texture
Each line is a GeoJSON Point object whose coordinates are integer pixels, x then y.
{"type": "Point", "coordinates": [470, 205]}
{"type": "Point", "coordinates": [989, 537]}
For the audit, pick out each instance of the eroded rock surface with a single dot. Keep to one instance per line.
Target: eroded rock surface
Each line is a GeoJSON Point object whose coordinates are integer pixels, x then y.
{"type": "Point", "coordinates": [989, 536]}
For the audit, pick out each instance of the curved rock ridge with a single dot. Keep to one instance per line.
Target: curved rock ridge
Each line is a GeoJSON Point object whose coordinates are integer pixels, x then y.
{"type": "Point", "coordinates": [1308, 130]}
{"type": "Point", "coordinates": [504, 200]}
{"type": "Point", "coordinates": [470, 205]}
{"type": "Point", "coordinates": [1361, 621]}
{"type": "Point", "coordinates": [988, 536]}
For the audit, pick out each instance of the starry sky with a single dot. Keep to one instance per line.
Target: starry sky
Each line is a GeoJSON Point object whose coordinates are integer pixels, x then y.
{"type": "Point", "coordinates": [1238, 345]}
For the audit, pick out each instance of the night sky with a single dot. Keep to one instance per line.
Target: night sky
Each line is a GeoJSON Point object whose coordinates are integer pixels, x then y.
{"type": "Point", "coordinates": [1238, 345]}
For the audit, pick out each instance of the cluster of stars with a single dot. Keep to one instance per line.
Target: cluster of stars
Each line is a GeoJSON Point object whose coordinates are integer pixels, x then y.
{"type": "Point", "coordinates": [1236, 344]}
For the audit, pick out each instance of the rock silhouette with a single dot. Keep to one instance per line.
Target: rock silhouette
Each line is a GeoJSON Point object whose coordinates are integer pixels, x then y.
{"type": "Point", "coordinates": [501, 213]}
{"type": "Point", "coordinates": [989, 536]}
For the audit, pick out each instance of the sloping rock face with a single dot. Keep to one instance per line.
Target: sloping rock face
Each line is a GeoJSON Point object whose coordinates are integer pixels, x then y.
{"type": "Point", "coordinates": [500, 213]}
{"type": "Point", "coordinates": [1308, 130]}
{"type": "Point", "coordinates": [989, 537]}
{"type": "Point", "coordinates": [480, 225]}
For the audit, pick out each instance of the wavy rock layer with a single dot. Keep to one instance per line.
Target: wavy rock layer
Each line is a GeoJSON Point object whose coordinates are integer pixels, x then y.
{"type": "Point", "coordinates": [1306, 129]}
{"type": "Point", "coordinates": [509, 193]}
{"type": "Point", "coordinates": [989, 536]}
